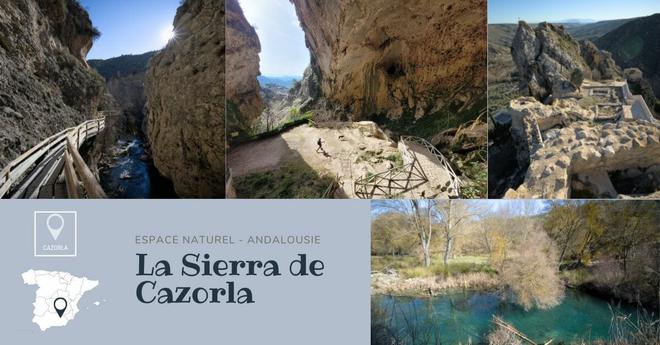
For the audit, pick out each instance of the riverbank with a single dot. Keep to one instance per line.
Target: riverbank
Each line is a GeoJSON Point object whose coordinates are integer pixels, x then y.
{"type": "Point", "coordinates": [604, 281]}
{"type": "Point", "coordinates": [393, 284]}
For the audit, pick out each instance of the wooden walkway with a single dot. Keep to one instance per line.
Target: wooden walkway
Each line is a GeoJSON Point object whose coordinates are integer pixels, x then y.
{"type": "Point", "coordinates": [54, 168]}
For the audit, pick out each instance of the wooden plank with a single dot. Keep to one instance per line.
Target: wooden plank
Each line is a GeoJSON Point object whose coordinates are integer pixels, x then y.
{"type": "Point", "coordinates": [15, 170]}
{"type": "Point", "coordinates": [92, 186]}
{"type": "Point", "coordinates": [43, 178]}
{"type": "Point", "coordinates": [70, 177]}
{"type": "Point", "coordinates": [34, 174]}
{"type": "Point", "coordinates": [21, 169]}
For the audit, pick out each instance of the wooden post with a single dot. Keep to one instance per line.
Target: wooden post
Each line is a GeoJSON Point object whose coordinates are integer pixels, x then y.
{"type": "Point", "coordinates": [92, 186]}
{"type": "Point", "coordinates": [71, 179]}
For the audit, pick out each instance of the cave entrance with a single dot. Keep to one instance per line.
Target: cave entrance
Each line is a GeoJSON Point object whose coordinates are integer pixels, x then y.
{"type": "Point", "coordinates": [631, 182]}
{"type": "Point", "coordinates": [283, 59]}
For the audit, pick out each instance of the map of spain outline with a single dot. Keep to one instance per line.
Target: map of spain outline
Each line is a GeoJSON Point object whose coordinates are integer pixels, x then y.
{"type": "Point", "coordinates": [53, 285]}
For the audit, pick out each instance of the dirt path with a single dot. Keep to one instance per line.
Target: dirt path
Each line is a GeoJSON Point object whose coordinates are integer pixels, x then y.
{"type": "Point", "coordinates": [350, 151]}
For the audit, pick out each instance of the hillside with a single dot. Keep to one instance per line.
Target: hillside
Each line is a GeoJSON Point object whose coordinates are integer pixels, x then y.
{"type": "Point", "coordinates": [595, 30]}
{"type": "Point", "coordinates": [637, 44]}
{"type": "Point", "coordinates": [502, 74]}
{"type": "Point", "coordinates": [45, 84]}
{"type": "Point", "coordinates": [122, 65]}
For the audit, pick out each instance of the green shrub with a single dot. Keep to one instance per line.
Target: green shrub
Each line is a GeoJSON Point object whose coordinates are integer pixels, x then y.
{"type": "Point", "coordinates": [396, 158]}
{"type": "Point", "coordinates": [577, 77]}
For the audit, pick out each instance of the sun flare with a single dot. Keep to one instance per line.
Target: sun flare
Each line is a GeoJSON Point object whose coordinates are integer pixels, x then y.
{"type": "Point", "coordinates": [167, 34]}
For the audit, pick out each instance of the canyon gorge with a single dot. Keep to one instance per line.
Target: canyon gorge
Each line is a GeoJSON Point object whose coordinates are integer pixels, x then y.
{"type": "Point", "coordinates": [409, 69]}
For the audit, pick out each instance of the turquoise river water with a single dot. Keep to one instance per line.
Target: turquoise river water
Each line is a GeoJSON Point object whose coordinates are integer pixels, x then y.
{"type": "Point", "coordinates": [462, 317]}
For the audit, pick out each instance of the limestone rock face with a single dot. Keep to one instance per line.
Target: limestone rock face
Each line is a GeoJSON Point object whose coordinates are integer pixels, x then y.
{"type": "Point", "coordinates": [384, 57]}
{"type": "Point", "coordinates": [547, 58]}
{"type": "Point", "coordinates": [308, 89]}
{"type": "Point", "coordinates": [124, 77]}
{"type": "Point", "coordinates": [45, 83]}
{"type": "Point", "coordinates": [244, 104]}
{"type": "Point", "coordinates": [566, 149]}
{"type": "Point", "coordinates": [639, 85]}
{"type": "Point", "coordinates": [185, 93]}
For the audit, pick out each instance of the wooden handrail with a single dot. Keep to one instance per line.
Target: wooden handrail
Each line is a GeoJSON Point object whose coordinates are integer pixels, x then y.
{"type": "Point", "coordinates": [16, 169]}
{"type": "Point", "coordinates": [92, 186]}
{"type": "Point", "coordinates": [71, 179]}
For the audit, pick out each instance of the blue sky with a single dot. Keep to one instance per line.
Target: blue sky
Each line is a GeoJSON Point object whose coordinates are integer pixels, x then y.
{"type": "Point", "coordinates": [488, 207]}
{"type": "Point", "coordinates": [130, 26]}
{"type": "Point", "coordinates": [534, 11]}
{"type": "Point", "coordinates": [283, 50]}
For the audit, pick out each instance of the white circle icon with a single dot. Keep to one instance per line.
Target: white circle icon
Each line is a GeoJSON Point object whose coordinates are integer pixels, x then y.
{"type": "Point", "coordinates": [55, 224]}
{"type": "Point", "coordinates": [60, 303]}
{"type": "Point", "coordinates": [49, 224]}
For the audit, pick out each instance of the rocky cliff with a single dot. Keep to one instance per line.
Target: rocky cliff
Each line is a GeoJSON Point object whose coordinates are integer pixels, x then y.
{"type": "Point", "coordinates": [397, 59]}
{"type": "Point", "coordinates": [244, 104]}
{"type": "Point", "coordinates": [185, 94]}
{"type": "Point", "coordinates": [45, 83]}
{"type": "Point", "coordinates": [551, 63]}
{"type": "Point", "coordinates": [568, 154]}
{"type": "Point", "coordinates": [124, 77]}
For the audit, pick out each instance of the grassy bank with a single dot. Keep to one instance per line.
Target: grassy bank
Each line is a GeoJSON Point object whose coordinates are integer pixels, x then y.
{"type": "Point", "coordinates": [403, 275]}
{"type": "Point", "coordinates": [410, 267]}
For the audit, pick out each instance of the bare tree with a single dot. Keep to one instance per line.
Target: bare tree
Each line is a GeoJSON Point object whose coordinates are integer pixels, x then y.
{"type": "Point", "coordinates": [564, 221]}
{"type": "Point", "coordinates": [422, 221]}
{"type": "Point", "coordinates": [532, 272]}
{"type": "Point", "coordinates": [451, 216]}
{"type": "Point", "coordinates": [420, 215]}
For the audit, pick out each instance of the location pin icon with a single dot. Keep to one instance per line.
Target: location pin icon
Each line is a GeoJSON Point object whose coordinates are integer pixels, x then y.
{"type": "Point", "coordinates": [55, 224]}
{"type": "Point", "coordinates": [60, 305]}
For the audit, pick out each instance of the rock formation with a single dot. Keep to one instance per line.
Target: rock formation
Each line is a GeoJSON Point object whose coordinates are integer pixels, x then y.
{"type": "Point", "coordinates": [591, 138]}
{"type": "Point", "coordinates": [45, 83]}
{"type": "Point", "coordinates": [397, 58]}
{"type": "Point", "coordinates": [640, 85]}
{"type": "Point", "coordinates": [124, 77]}
{"type": "Point", "coordinates": [244, 105]}
{"type": "Point", "coordinates": [567, 152]}
{"type": "Point", "coordinates": [549, 61]}
{"type": "Point", "coordinates": [185, 93]}
{"type": "Point", "coordinates": [307, 90]}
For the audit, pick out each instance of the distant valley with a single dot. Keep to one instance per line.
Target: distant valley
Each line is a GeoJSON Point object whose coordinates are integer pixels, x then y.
{"type": "Point", "coordinates": [283, 81]}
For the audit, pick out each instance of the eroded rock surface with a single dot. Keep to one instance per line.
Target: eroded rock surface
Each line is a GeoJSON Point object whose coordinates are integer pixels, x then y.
{"type": "Point", "coordinates": [45, 83]}
{"type": "Point", "coordinates": [567, 151]}
{"type": "Point", "coordinates": [396, 58]}
{"type": "Point", "coordinates": [551, 63]}
{"type": "Point", "coordinates": [244, 104]}
{"type": "Point", "coordinates": [582, 134]}
{"type": "Point", "coordinates": [185, 93]}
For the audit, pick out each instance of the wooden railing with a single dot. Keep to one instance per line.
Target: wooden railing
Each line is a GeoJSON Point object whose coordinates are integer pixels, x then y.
{"type": "Point", "coordinates": [393, 183]}
{"type": "Point", "coordinates": [440, 159]}
{"type": "Point", "coordinates": [68, 141]}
